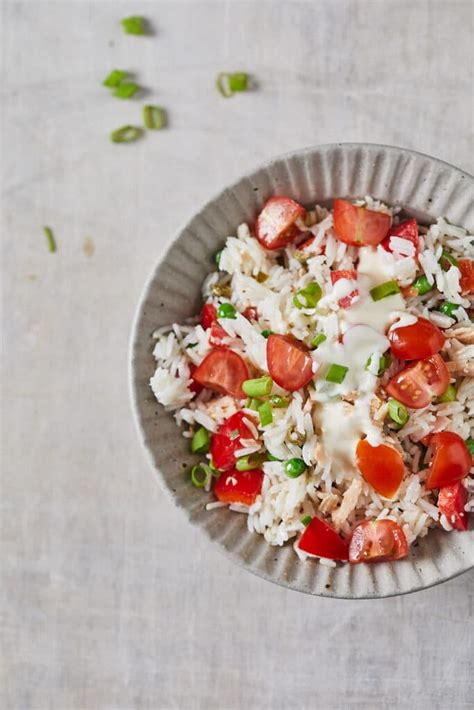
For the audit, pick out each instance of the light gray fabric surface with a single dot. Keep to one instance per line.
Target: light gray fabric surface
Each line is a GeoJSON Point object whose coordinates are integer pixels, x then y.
{"type": "Point", "coordinates": [108, 598]}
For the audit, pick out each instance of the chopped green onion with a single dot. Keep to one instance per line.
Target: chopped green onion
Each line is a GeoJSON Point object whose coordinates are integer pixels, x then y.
{"type": "Point", "coordinates": [154, 117]}
{"type": "Point", "coordinates": [449, 395]}
{"type": "Point", "coordinates": [248, 463]}
{"type": "Point", "coordinates": [200, 475]}
{"type": "Point", "coordinates": [384, 362]}
{"type": "Point", "coordinates": [470, 446]}
{"type": "Point", "coordinates": [398, 412]}
{"type": "Point", "coordinates": [217, 256]}
{"type": "Point", "coordinates": [253, 403]}
{"type": "Point", "coordinates": [306, 520]}
{"type": "Point", "coordinates": [126, 134]}
{"type": "Point", "coordinates": [201, 441]}
{"type": "Point", "coordinates": [265, 413]}
{"type": "Point", "coordinates": [266, 333]}
{"type": "Point", "coordinates": [226, 310]}
{"type": "Point", "coordinates": [422, 285]}
{"type": "Point", "coordinates": [270, 457]}
{"type": "Point", "coordinates": [278, 402]}
{"type": "Point", "coordinates": [190, 346]}
{"type": "Point", "coordinates": [294, 468]}
{"type": "Point", "coordinates": [48, 233]}
{"type": "Point", "coordinates": [115, 77]}
{"type": "Point", "coordinates": [336, 373]}
{"type": "Point", "coordinates": [126, 89]}
{"type": "Point", "coordinates": [259, 387]}
{"type": "Point", "coordinates": [447, 260]}
{"type": "Point", "coordinates": [318, 339]}
{"type": "Point", "coordinates": [449, 308]}
{"type": "Point", "coordinates": [389, 288]}
{"type": "Point", "coordinates": [134, 25]}
{"type": "Point", "coordinates": [214, 471]}
{"type": "Point", "coordinates": [308, 297]}
{"type": "Point", "coordinates": [227, 84]}
{"type": "Point", "coordinates": [295, 436]}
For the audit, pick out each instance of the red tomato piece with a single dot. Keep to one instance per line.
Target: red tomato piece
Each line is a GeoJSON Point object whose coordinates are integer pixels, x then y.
{"type": "Point", "coordinates": [217, 335]}
{"type": "Point", "coordinates": [406, 230]}
{"type": "Point", "coordinates": [250, 313]}
{"type": "Point", "coordinates": [451, 503]}
{"type": "Point", "coordinates": [451, 460]}
{"type": "Point", "coordinates": [208, 315]}
{"type": "Point", "coordinates": [358, 225]}
{"type": "Point", "coordinates": [227, 440]}
{"type": "Point", "coordinates": [466, 267]}
{"type": "Point", "coordinates": [381, 466]}
{"type": "Point", "coordinates": [417, 384]}
{"type": "Point", "coordinates": [241, 487]}
{"type": "Point", "coordinates": [223, 371]}
{"type": "Point", "coordinates": [350, 274]}
{"type": "Point", "coordinates": [276, 222]}
{"type": "Point", "coordinates": [194, 386]}
{"type": "Point", "coordinates": [417, 341]}
{"type": "Point", "coordinates": [377, 541]}
{"type": "Point", "coordinates": [322, 540]}
{"type": "Point", "coordinates": [289, 363]}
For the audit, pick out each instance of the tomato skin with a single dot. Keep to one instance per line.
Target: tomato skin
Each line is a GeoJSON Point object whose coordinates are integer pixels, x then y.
{"type": "Point", "coordinates": [377, 541]}
{"type": "Point", "coordinates": [275, 226]}
{"type": "Point", "coordinates": [194, 386]}
{"type": "Point", "coordinates": [250, 313]}
{"type": "Point", "coordinates": [466, 267]}
{"type": "Point", "coordinates": [451, 460]}
{"type": "Point", "coordinates": [381, 466]}
{"type": "Point", "coordinates": [216, 335]}
{"type": "Point", "coordinates": [289, 363]}
{"type": "Point", "coordinates": [223, 371]}
{"type": "Point", "coordinates": [451, 503]}
{"type": "Point", "coordinates": [227, 440]}
{"type": "Point", "coordinates": [417, 383]}
{"type": "Point", "coordinates": [359, 226]}
{"type": "Point", "coordinates": [416, 341]}
{"type": "Point", "coordinates": [350, 274]}
{"type": "Point", "coordinates": [241, 487]}
{"type": "Point", "coordinates": [322, 540]}
{"type": "Point", "coordinates": [208, 315]}
{"type": "Point", "coordinates": [405, 230]}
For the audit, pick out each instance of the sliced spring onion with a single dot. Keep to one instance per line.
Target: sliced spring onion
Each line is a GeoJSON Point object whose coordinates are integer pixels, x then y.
{"type": "Point", "coordinates": [226, 310]}
{"type": "Point", "coordinates": [134, 25]}
{"type": "Point", "coordinates": [308, 297]}
{"type": "Point", "coordinates": [190, 346]}
{"type": "Point", "coordinates": [470, 446]}
{"type": "Point", "coordinates": [449, 308]}
{"type": "Point", "coordinates": [336, 373]}
{"type": "Point", "coordinates": [227, 84]}
{"type": "Point", "coordinates": [294, 467]}
{"type": "Point", "coordinates": [126, 134]}
{"type": "Point", "coordinates": [214, 471]}
{"type": "Point", "coordinates": [449, 395]}
{"type": "Point", "coordinates": [270, 457]}
{"type": "Point", "coordinates": [306, 520]}
{"type": "Point", "coordinates": [115, 77]}
{"type": "Point", "coordinates": [217, 256]}
{"type": "Point", "coordinates": [384, 362]}
{"type": "Point", "coordinates": [201, 441]}
{"type": "Point", "coordinates": [278, 402]}
{"type": "Point", "coordinates": [154, 117]}
{"type": "Point", "coordinates": [48, 233]}
{"type": "Point", "coordinates": [398, 412]}
{"type": "Point", "coordinates": [265, 413]}
{"type": "Point", "coordinates": [247, 463]}
{"type": "Point", "coordinates": [422, 285]}
{"type": "Point", "coordinates": [253, 403]}
{"type": "Point", "coordinates": [126, 89]}
{"type": "Point", "coordinates": [259, 387]}
{"type": "Point", "coordinates": [318, 339]}
{"type": "Point", "coordinates": [389, 288]}
{"type": "Point", "coordinates": [266, 333]}
{"type": "Point", "coordinates": [200, 475]}
{"type": "Point", "coordinates": [447, 260]}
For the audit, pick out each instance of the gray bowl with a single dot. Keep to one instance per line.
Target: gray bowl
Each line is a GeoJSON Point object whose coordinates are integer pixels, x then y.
{"type": "Point", "coordinates": [426, 188]}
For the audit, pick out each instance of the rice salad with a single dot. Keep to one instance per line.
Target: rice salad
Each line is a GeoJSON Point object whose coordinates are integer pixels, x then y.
{"type": "Point", "coordinates": [327, 384]}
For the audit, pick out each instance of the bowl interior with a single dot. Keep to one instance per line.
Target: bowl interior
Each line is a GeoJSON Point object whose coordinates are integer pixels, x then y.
{"type": "Point", "coordinates": [425, 188]}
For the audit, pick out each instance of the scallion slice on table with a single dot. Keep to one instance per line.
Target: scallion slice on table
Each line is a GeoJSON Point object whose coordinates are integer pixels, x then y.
{"type": "Point", "coordinates": [308, 297]}
{"type": "Point", "coordinates": [115, 77]}
{"type": "Point", "coordinates": [126, 134]}
{"type": "Point", "coordinates": [126, 89]}
{"type": "Point", "coordinates": [217, 257]}
{"type": "Point", "coordinates": [398, 412]}
{"type": "Point", "coordinates": [449, 395]}
{"type": "Point", "coordinates": [306, 520]}
{"type": "Point", "coordinates": [294, 467]}
{"type": "Point", "coordinates": [50, 240]}
{"type": "Point", "coordinates": [336, 373]}
{"type": "Point", "coordinates": [248, 463]}
{"type": "Point", "coordinates": [201, 441]}
{"type": "Point", "coordinates": [259, 387]}
{"type": "Point", "coordinates": [389, 288]}
{"type": "Point", "coordinates": [317, 340]}
{"type": "Point", "coordinates": [229, 83]}
{"type": "Point", "coordinates": [265, 413]}
{"type": "Point", "coordinates": [200, 475]}
{"type": "Point", "coordinates": [134, 25]}
{"type": "Point", "coordinates": [154, 117]}
{"type": "Point", "coordinates": [422, 285]}
{"type": "Point", "coordinates": [449, 309]}
{"type": "Point", "coordinates": [226, 310]}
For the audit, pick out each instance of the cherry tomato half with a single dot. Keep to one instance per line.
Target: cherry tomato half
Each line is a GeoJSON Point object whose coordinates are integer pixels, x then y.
{"type": "Point", "coordinates": [466, 267]}
{"type": "Point", "coordinates": [417, 341]}
{"type": "Point", "coordinates": [377, 541]}
{"type": "Point", "coordinates": [350, 274]}
{"type": "Point", "coordinates": [451, 503]}
{"type": "Point", "coordinates": [194, 386]}
{"type": "Point", "coordinates": [289, 362]}
{"type": "Point", "coordinates": [451, 460]}
{"type": "Point", "coordinates": [406, 230]}
{"type": "Point", "coordinates": [417, 384]}
{"type": "Point", "coordinates": [358, 225]}
{"type": "Point", "coordinates": [208, 315]}
{"type": "Point", "coordinates": [322, 540]}
{"type": "Point", "coordinates": [223, 371]}
{"type": "Point", "coordinates": [227, 440]}
{"type": "Point", "coordinates": [241, 487]}
{"type": "Point", "coordinates": [276, 222]}
{"type": "Point", "coordinates": [381, 466]}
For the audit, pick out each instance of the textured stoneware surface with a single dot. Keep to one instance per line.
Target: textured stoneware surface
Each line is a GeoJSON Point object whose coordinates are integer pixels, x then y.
{"type": "Point", "coordinates": [426, 188]}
